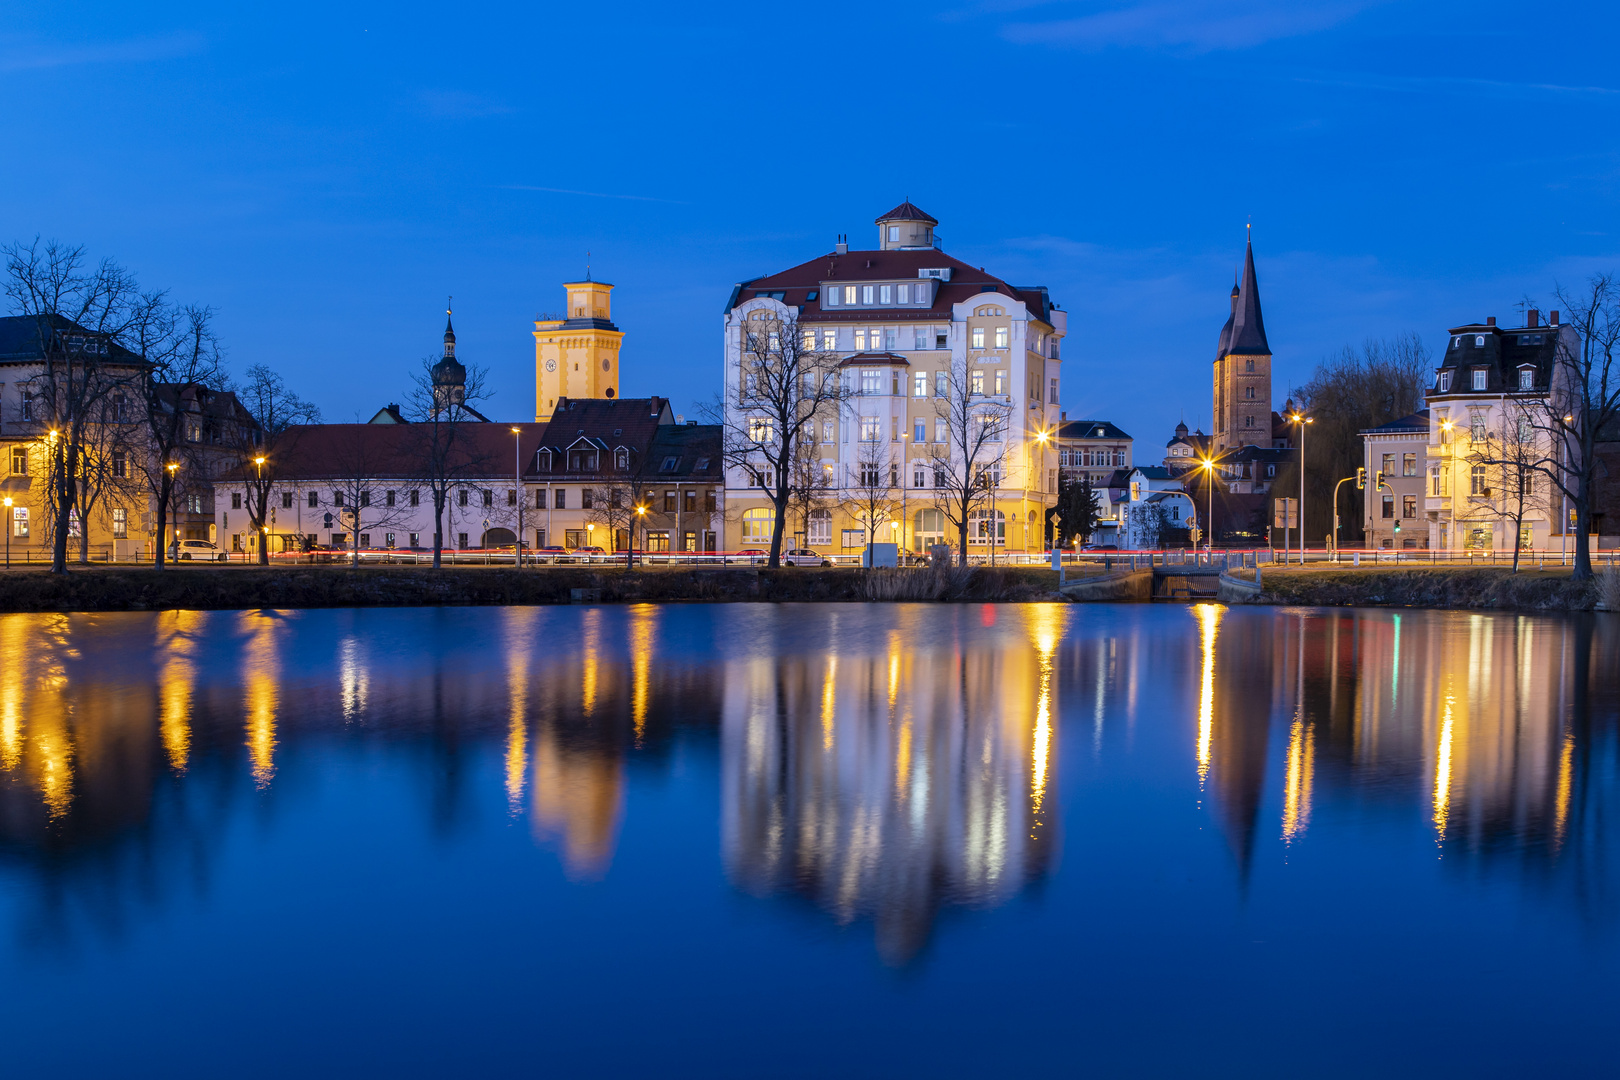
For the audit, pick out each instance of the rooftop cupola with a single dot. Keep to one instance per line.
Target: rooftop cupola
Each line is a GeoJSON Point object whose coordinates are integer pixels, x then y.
{"type": "Point", "coordinates": [906, 228]}
{"type": "Point", "coordinates": [449, 376]}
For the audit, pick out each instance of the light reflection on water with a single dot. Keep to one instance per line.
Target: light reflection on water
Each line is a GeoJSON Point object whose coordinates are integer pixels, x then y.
{"type": "Point", "coordinates": [875, 765]}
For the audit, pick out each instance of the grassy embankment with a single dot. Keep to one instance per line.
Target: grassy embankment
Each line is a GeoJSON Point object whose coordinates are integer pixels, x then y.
{"type": "Point", "coordinates": [225, 588]}
{"type": "Point", "coordinates": [1437, 587]}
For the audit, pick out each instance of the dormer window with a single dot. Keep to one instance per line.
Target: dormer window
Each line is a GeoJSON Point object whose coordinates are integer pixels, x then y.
{"type": "Point", "coordinates": [1445, 382]}
{"type": "Point", "coordinates": [866, 294]}
{"type": "Point", "coordinates": [1527, 378]}
{"type": "Point", "coordinates": [885, 294]}
{"type": "Point", "coordinates": [1479, 341]}
{"type": "Point", "coordinates": [624, 459]}
{"type": "Point", "coordinates": [1479, 378]}
{"type": "Point", "coordinates": [669, 464]}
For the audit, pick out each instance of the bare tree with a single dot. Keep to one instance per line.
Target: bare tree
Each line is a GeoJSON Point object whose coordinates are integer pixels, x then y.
{"type": "Point", "coordinates": [1517, 453]}
{"type": "Point", "coordinates": [870, 491]}
{"type": "Point", "coordinates": [814, 482]}
{"type": "Point", "coordinates": [785, 386]}
{"type": "Point", "coordinates": [82, 316]}
{"type": "Point", "coordinates": [967, 465]}
{"type": "Point", "coordinates": [273, 408]}
{"type": "Point", "coordinates": [359, 496]}
{"type": "Point", "coordinates": [444, 450]}
{"type": "Point", "coordinates": [1583, 402]}
{"type": "Point", "coordinates": [182, 367]}
{"type": "Point", "coordinates": [112, 445]}
{"type": "Point", "coordinates": [1349, 392]}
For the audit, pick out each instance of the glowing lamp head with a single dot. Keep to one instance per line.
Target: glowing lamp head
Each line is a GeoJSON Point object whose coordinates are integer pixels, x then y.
{"type": "Point", "coordinates": [258, 461]}
{"type": "Point", "coordinates": [1040, 436]}
{"type": "Point", "coordinates": [517, 431]}
{"type": "Point", "coordinates": [8, 501]}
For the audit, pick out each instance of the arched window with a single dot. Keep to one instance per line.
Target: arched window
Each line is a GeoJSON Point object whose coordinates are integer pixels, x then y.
{"type": "Point", "coordinates": [756, 525]}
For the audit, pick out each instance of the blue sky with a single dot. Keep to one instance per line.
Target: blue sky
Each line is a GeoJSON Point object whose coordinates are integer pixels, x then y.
{"type": "Point", "coordinates": [324, 176]}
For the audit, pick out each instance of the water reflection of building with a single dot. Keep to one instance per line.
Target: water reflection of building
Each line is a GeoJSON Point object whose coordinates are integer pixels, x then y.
{"type": "Point", "coordinates": [888, 782]}
{"type": "Point", "coordinates": [1480, 725]}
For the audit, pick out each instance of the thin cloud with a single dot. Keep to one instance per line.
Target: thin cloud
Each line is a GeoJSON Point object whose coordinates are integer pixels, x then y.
{"type": "Point", "coordinates": [590, 194]}
{"type": "Point", "coordinates": [33, 56]}
{"type": "Point", "coordinates": [1418, 84]}
{"type": "Point", "coordinates": [1190, 25]}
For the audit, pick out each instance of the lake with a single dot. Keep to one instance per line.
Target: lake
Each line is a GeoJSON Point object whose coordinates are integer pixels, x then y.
{"type": "Point", "coordinates": [808, 840]}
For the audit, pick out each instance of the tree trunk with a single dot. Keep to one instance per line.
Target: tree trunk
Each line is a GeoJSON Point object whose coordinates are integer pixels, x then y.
{"type": "Point", "coordinates": [438, 528]}
{"type": "Point", "coordinates": [164, 494]}
{"type": "Point", "coordinates": [963, 529]}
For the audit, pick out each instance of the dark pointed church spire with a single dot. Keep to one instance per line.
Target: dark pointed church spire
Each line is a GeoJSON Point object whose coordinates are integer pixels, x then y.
{"type": "Point", "coordinates": [1248, 329]}
{"type": "Point", "coordinates": [449, 331]}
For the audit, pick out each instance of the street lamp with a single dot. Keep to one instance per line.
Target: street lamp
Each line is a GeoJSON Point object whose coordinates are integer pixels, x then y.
{"type": "Point", "coordinates": [630, 555]}
{"type": "Point", "coordinates": [1209, 525]}
{"type": "Point", "coordinates": [1041, 438]}
{"type": "Point", "coordinates": [517, 490]}
{"type": "Point", "coordinates": [9, 527]}
{"type": "Point", "coordinates": [905, 467]}
{"type": "Point", "coordinates": [1301, 419]}
{"type": "Point", "coordinates": [174, 512]}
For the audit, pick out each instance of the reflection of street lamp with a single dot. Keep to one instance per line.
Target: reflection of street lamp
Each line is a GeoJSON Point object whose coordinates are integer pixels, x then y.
{"type": "Point", "coordinates": [9, 527]}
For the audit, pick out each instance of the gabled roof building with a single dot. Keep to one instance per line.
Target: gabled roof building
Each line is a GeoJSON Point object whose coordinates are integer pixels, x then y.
{"type": "Point", "coordinates": [900, 317]}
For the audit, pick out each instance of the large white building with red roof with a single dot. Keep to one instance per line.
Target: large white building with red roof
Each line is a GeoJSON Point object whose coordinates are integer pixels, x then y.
{"type": "Point", "coordinates": [900, 315]}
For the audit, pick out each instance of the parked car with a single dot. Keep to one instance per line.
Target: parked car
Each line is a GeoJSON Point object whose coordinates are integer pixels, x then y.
{"type": "Point", "coordinates": [551, 553]}
{"type": "Point", "coordinates": [804, 557]}
{"type": "Point", "coordinates": [590, 553]}
{"type": "Point", "coordinates": [1100, 547]}
{"type": "Point", "coordinates": [749, 555]}
{"type": "Point", "coordinates": [196, 551]}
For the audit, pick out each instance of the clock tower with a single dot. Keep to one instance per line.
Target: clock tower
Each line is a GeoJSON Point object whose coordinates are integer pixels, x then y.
{"type": "Point", "coordinates": [576, 354]}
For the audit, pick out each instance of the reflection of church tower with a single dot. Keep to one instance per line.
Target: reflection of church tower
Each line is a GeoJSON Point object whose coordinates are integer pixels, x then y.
{"type": "Point", "coordinates": [577, 355]}
{"type": "Point", "coordinates": [1242, 388]}
{"type": "Point", "coordinates": [449, 377]}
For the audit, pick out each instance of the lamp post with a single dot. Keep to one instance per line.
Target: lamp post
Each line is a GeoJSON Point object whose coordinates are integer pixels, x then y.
{"type": "Point", "coordinates": [264, 526]}
{"type": "Point", "coordinates": [9, 526]}
{"type": "Point", "coordinates": [1301, 419]}
{"type": "Point", "coordinates": [1209, 524]}
{"type": "Point", "coordinates": [517, 489]}
{"type": "Point", "coordinates": [174, 514]}
{"type": "Point", "coordinates": [630, 555]}
{"type": "Point", "coordinates": [905, 466]}
{"type": "Point", "coordinates": [1041, 438]}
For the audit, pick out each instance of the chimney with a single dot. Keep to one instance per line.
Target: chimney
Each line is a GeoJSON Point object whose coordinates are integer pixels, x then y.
{"type": "Point", "coordinates": [1552, 317]}
{"type": "Point", "coordinates": [842, 247]}
{"type": "Point", "coordinates": [1534, 318]}
{"type": "Point", "coordinates": [1490, 320]}
{"type": "Point", "coordinates": [1062, 416]}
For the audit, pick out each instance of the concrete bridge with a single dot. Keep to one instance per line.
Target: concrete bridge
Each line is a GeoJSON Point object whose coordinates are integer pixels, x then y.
{"type": "Point", "coordinates": [1145, 579]}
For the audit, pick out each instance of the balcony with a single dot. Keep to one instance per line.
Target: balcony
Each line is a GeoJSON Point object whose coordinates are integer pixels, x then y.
{"type": "Point", "coordinates": [1437, 502]}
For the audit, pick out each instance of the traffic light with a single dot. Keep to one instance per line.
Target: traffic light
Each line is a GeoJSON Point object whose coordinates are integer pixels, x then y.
{"type": "Point", "coordinates": [1397, 526]}
{"type": "Point", "coordinates": [1361, 479]}
{"type": "Point", "coordinates": [1380, 479]}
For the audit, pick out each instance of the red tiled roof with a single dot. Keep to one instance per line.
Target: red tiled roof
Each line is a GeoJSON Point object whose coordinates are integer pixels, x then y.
{"type": "Point", "coordinates": [340, 451]}
{"type": "Point", "coordinates": [966, 283]}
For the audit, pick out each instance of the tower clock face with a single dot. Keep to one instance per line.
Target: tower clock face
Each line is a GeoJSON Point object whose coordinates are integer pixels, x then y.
{"type": "Point", "coordinates": [551, 365]}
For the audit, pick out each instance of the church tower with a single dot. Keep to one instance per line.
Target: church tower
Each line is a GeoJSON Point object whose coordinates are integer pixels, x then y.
{"type": "Point", "coordinates": [1242, 390]}
{"type": "Point", "coordinates": [577, 355]}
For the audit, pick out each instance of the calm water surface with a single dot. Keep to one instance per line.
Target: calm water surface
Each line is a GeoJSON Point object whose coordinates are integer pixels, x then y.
{"type": "Point", "coordinates": [808, 840]}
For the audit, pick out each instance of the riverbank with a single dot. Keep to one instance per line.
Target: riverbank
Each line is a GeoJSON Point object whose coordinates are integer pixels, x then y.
{"type": "Point", "coordinates": [1474, 588]}
{"type": "Point", "coordinates": [199, 588]}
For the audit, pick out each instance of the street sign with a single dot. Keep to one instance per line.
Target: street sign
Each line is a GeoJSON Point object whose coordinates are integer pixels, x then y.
{"type": "Point", "coordinates": [1285, 513]}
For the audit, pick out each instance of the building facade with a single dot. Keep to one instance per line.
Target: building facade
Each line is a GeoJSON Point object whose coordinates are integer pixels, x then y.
{"type": "Point", "coordinates": [576, 353]}
{"type": "Point", "coordinates": [901, 317]}
{"type": "Point", "coordinates": [1482, 407]}
{"type": "Point", "coordinates": [1092, 449]}
{"type": "Point", "coordinates": [1242, 376]}
{"type": "Point", "coordinates": [1394, 513]}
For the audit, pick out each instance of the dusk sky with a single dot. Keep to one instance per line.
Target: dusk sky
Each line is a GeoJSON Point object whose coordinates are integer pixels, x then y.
{"type": "Point", "coordinates": [323, 176]}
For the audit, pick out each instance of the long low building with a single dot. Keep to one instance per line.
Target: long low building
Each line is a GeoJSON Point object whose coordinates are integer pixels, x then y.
{"type": "Point", "coordinates": [575, 481]}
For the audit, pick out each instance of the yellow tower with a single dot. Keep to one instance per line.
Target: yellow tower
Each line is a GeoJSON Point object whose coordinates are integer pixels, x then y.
{"type": "Point", "coordinates": [577, 356]}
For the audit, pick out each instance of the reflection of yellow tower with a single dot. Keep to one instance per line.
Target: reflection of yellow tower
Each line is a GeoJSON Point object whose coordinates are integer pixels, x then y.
{"type": "Point", "coordinates": [577, 356]}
